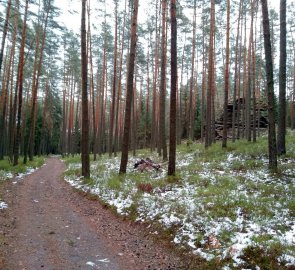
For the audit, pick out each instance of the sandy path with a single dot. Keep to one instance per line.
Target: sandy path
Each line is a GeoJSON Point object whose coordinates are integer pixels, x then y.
{"type": "Point", "coordinates": [50, 226]}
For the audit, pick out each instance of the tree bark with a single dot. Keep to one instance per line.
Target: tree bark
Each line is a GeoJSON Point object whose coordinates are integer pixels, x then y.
{"type": "Point", "coordinates": [113, 100]}
{"type": "Point", "coordinates": [210, 89]}
{"type": "Point", "coordinates": [154, 131]}
{"type": "Point", "coordinates": [191, 108]}
{"type": "Point", "coordinates": [272, 148]}
{"type": "Point", "coordinates": [85, 120]}
{"type": "Point", "coordinates": [162, 125]}
{"type": "Point", "coordinates": [226, 78]}
{"type": "Point", "coordinates": [35, 86]}
{"type": "Point", "coordinates": [5, 29]}
{"type": "Point", "coordinates": [129, 95]}
{"type": "Point", "coordinates": [173, 101]}
{"type": "Point", "coordinates": [20, 87]}
{"type": "Point", "coordinates": [282, 81]}
{"type": "Point", "coordinates": [235, 120]}
{"type": "Point", "coordinates": [119, 92]}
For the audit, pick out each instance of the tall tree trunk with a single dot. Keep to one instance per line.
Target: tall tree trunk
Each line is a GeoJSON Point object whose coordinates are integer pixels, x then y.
{"type": "Point", "coordinates": [101, 126]}
{"type": "Point", "coordinates": [282, 81]}
{"type": "Point", "coordinates": [119, 92]}
{"type": "Point", "coordinates": [191, 109]}
{"type": "Point", "coordinates": [85, 120]}
{"type": "Point", "coordinates": [272, 146]}
{"type": "Point", "coordinates": [173, 107]}
{"type": "Point", "coordinates": [113, 100]}
{"type": "Point", "coordinates": [129, 95]}
{"type": "Point", "coordinates": [5, 29]}
{"type": "Point", "coordinates": [254, 81]}
{"type": "Point", "coordinates": [35, 86]}
{"type": "Point", "coordinates": [292, 97]}
{"type": "Point", "coordinates": [13, 98]}
{"type": "Point", "coordinates": [162, 127]}
{"type": "Point", "coordinates": [3, 104]}
{"type": "Point", "coordinates": [211, 84]}
{"type": "Point", "coordinates": [249, 79]}
{"type": "Point", "coordinates": [240, 104]}
{"type": "Point", "coordinates": [20, 87]}
{"type": "Point", "coordinates": [235, 120]}
{"type": "Point", "coordinates": [154, 131]}
{"type": "Point", "coordinates": [204, 70]}
{"type": "Point", "coordinates": [45, 126]}
{"type": "Point", "coordinates": [147, 106]}
{"type": "Point", "coordinates": [226, 78]}
{"type": "Point", "coordinates": [91, 87]}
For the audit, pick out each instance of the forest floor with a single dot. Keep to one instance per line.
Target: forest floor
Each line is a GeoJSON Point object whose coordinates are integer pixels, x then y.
{"type": "Point", "coordinates": [46, 224]}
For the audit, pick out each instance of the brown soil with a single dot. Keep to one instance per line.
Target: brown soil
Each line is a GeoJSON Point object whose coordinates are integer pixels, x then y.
{"type": "Point", "coordinates": [48, 225]}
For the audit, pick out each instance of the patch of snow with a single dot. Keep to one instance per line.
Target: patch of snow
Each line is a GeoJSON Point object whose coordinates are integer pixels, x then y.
{"type": "Point", "coordinates": [92, 264]}
{"type": "Point", "coordinates": [289, 236]}
{"type": "Point", "coordinates": [288, 259]}
{"type": "Point", "coordinates": [207, 256]}
{"type": "Point", "coordinates": [3, 205]}
{"type": "Point", "coordinates": [106, 260]}
{"type": "Point", "coordinates": [186, 206]}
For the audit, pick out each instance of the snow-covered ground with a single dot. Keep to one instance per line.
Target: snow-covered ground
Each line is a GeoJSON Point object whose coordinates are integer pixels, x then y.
{"type": "Point", "coordinates": [3, 205]}
{"type": "Point", "coordinates": [217, 210]}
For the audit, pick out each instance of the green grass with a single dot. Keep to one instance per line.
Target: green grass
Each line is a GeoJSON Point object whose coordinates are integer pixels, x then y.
{"type": "Point", "coordinates": [72, 159]}
{"type": "Point", "coordinates": [218, 189]}
{"type": "Point", "coordinates": [6, 166]}
{"type": "Point", "coordinates": [115, 182]}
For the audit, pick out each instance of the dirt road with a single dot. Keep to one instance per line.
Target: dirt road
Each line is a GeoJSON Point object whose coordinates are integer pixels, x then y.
{"type": "Point", "coordinates": [50, 226]}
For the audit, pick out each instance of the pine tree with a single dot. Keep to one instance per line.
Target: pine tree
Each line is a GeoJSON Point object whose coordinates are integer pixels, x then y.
{"type": "Point", "coordinates": [282, 81]}
{"type": "Point", "coordinates": [85, 119]}
{"type": "Point", "coordinates": [272, 148]}
{"type": "Point", "coordinates": [129, 95]}
{"type": "Point", "coordinates": [173, 101]}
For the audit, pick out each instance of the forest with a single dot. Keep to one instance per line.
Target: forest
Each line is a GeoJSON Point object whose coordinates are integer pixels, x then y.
{"type": "Point", "coordinates": [192, 84]}
{"type": "Point", "coordinates": [218, 64]}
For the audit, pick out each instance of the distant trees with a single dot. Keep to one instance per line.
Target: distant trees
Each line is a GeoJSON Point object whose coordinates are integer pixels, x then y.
{"type": "Point", "coordinates": [216, 92]}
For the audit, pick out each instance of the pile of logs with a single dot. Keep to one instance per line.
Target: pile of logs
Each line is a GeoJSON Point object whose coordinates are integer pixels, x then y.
{"type": "Point", "coordinates": [232, 110]}
{"type": "Point", "coordinates": [146, 165]}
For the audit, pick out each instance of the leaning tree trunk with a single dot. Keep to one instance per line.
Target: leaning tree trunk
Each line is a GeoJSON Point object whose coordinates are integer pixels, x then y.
{"type": "Point", "coordinates": [272, 148]}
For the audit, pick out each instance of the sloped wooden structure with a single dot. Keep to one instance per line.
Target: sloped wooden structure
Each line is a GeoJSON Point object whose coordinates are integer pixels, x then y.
{"type": "Point", "coordinates": [261, 120]}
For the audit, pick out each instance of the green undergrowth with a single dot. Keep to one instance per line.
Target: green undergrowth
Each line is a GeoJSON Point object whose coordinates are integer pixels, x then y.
{"type": "Point", "coordinates": [6, 167]}
{"type": "Point", "coordinates": [226, 192]}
